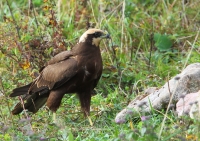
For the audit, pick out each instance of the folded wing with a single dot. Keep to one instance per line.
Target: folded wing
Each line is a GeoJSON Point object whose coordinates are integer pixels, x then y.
{"type": "Point", "coordinates": [59, 70]}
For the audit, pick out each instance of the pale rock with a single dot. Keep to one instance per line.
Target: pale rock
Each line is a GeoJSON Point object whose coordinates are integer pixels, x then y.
{"type": "Point", "coordinates": [188, 81]}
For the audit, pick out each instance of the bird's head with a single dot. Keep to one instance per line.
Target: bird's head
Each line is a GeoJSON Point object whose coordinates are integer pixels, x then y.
{"type": "Point", "coordinates": [93, 36]}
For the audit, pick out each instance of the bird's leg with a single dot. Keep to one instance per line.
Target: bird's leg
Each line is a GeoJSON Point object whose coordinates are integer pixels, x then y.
{"type": "Point", "coordinates": [87, 114]}
{"type": "Point", "coordinates": [90, 120]}
{"type": "Point", "coordinates": [54, 117]}
{"type": "Point", "coordinates": [53, 102]}
{"type": "Point", "coordinates": [85, 99]}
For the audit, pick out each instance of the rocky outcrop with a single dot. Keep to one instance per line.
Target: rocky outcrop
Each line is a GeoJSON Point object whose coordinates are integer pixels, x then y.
{"type": "Point", "coordinates": [188, 81]}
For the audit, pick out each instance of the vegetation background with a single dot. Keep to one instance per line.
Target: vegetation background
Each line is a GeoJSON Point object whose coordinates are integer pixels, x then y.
{"type": "Point", "coordinates": [152, 40]}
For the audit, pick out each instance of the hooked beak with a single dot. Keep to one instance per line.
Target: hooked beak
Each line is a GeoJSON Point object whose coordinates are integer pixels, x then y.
{"type": "Point", "coordinates": [106, 36]}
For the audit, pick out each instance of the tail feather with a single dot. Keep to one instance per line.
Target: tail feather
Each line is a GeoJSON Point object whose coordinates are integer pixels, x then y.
{"type": "Point", "coordinates": [20, 91]}
{"type": "Point", "coordinates": [37, 104]}
{"type": "Point", "coordinates": [23, 105]}
{"type": "Point", "coordinates": [32, 102]}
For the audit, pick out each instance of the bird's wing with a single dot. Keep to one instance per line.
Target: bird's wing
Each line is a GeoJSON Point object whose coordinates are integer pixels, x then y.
{"type": "Point", "coordinates": [60, 57]}
{"type": "Point", "coordinates": [57, 58]}
{"type": "Point", "coordinates": [59, 70]}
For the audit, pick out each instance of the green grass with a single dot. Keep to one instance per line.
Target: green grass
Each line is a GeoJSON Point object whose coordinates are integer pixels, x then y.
{"type": "Point", "coordinates": [152, 40]}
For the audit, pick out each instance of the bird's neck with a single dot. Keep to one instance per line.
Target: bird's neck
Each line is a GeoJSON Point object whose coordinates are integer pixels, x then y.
{"type": "Point", "coordinates": [85, 48]}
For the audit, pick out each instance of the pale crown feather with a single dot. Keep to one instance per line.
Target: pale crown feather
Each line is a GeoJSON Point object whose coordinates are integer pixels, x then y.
{"type": "Point", "coordinates": [89, 31]}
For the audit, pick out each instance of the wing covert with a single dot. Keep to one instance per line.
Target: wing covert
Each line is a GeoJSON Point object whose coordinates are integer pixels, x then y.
{"type": "Point", "coordinates": [60, 57]}
{"type": "Point", "coordinates": [54, 75]}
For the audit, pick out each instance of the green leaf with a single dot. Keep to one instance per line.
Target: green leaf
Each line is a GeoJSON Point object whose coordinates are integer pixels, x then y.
{"type": "Point", "coordinates": [162, 42]}
{"type": "Point", "coordinates": [70, 136]}
{"type": "Point", "coordinates": [15, 51]}
{"type": "Point", "coordinates": [38, 2]}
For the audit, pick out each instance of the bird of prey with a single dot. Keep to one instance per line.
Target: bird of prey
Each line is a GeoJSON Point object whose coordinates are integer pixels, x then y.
{"type": "Point", "coordinates": [75, 71]}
